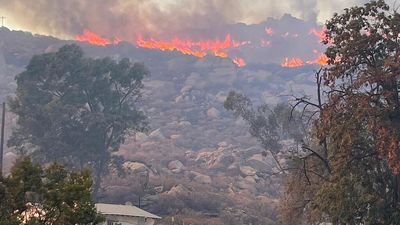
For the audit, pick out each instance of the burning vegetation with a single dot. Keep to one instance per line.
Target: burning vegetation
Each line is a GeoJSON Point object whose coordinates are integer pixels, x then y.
{"type": "Point", "coordinates": [95, 39]}
{"type": "Point", "coordinates": [227, 47]}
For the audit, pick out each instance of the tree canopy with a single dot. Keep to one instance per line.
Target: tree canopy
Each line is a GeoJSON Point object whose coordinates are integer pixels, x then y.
{"type": "Point", "coordinates": [37, 196]}
{"type": "Point", "coordinates": [76, 109]}
{"type": "Point", "coordinates": [359, 123]}
{"type": "Point", "coordinates": [348, 171]}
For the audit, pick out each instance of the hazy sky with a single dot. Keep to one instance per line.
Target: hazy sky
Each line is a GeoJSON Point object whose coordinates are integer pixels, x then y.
{"type": "Point", "coordinates": [131, 17]}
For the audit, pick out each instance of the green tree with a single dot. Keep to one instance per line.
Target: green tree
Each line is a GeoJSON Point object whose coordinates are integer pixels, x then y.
{"type": "Point", "coordinates": [77, 109]}
{"type": "Point", "coordinates": [7, 216]}
{"type": "Point", "coordinates": [56, 195]}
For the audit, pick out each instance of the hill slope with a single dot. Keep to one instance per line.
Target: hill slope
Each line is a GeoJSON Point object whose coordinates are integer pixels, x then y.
{"type": "Point", "coordinates": [198, 161]}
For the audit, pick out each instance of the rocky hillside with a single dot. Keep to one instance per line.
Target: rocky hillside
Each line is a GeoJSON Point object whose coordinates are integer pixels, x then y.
{"type": "Point", "coordinates": [198, 161]}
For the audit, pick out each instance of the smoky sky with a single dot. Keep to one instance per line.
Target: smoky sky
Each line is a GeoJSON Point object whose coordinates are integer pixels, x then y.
{"type": "Point", "coordinates": [129, 18]}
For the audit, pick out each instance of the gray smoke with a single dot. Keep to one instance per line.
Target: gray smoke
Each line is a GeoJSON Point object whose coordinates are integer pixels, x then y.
{"type": "Point", "coordinates": [128, 18]}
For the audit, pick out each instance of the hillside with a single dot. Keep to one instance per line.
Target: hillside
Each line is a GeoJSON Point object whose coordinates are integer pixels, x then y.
{"type": "Point", "coordinates": [196, 151]}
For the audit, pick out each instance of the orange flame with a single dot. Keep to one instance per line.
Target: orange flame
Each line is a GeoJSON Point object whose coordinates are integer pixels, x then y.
{"type": "Point", "coordinates": [196, 48]}
{"type": "Point", "coordinates": [217, 47]}
{"type": "Point", "coordinates": [321, 60]}
{"type": "Point", "coordinates": [183, 47]}
{"type": "Point", "coordinates": [320, 34]}
{"type": "Point", "coordinates": [189, 47]}
{"type": "Point", "coordinates": [221, 54]}
{"type": "Point", "coordinates": [199, 49]}
{"type": "Point", "coordinates": [265, 43]}
{"type": "Point", "coordinates": [293, 62]}
{"type": "Point", "coordinates": [95, 39]}
{"type": "Point", "coordinates": [269, 31]}
{"type": "Point", "coordinates": [239, 62]}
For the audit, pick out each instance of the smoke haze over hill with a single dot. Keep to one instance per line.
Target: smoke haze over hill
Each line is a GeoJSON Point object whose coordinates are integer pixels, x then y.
{"type": "Point", "coordinates": [128, 18]}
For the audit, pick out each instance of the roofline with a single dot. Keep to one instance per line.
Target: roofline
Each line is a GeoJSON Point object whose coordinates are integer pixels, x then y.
{"type": "Point", "coordinates": [149, 215]}
{"type": "Point", "coordinates": [114, 214]}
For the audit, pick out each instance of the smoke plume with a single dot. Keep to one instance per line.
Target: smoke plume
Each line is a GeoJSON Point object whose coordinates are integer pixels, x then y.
{"type": "Point", "coordinates": [129, 18]}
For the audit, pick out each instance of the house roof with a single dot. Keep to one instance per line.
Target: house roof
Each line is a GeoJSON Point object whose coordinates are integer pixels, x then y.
{"type": "Point", "coordinates": [123, 210]}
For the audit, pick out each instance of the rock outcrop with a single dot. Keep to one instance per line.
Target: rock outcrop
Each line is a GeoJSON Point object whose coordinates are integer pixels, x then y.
{"type": "Point", "coordinates": [176, 166]}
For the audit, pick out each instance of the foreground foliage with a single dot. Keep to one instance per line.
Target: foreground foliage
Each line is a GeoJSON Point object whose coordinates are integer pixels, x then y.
{"type": "Point", "coordinates": [347, 169]}
{"type": "Point", "coordinates": [357, 132]}
{"type": "Point", "coordinates": [36, 196]}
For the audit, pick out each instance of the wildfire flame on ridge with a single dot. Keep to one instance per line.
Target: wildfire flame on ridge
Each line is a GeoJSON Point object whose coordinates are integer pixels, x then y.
{"type": "Point", "coordinates": [293, 62]}
{"type": "Point", "coordinates": [269, 31]}
{"type": "Point", "coordinates": [321, 60]}
{"type": "Point", "coordinates": [200, 49]}
{"type": "Point", "coordinates": [95, 39]}
{"type": "Point", "coordinates": [189, 47]}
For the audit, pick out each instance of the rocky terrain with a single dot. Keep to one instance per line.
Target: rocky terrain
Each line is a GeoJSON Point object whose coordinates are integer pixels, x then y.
{"type": "Point", "coordinates": [198, 162]}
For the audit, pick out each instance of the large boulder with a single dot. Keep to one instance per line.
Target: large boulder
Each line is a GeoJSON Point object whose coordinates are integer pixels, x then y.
{"type": "Point", "coordinates": [249, 152]}
{"type": "Point", "coordinates": [260, 163]}
{"type": "Point", "coordinates": [175, 136]}
{"type": "Point", "coordinates": [178, 190]}
{"type": "Point", "coordinates": [157, 135]}
{"type": "Point", "coordinates": [185, 123]}
{"type": "Point", "coordinates": [176, 166]}
{"type": "Point", "coordinates": [222, 161]}
{"type": "Point", "coordinates": [247, 183]}
{"type": "Point", "coordinates": [136, 168]}
{"type": "Point", "coordinates": [204, 157]}
{"type": "Point", "coordinates": [200, 178]}
{"type": "Point", "coordinates": [223, 144]}
{"type": "Point", "coordinates": [247, 171]}
{"type": "Point", "coordinates": [185, 89]}
{"type": "Point", "coordinates": [233, 170]}
{"type": "Point", "coordinates": [219, 159]}
{"type": "Point", "coordinates": [221, 97]}
{"type": "Point", "coordinates": [213, 113]}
